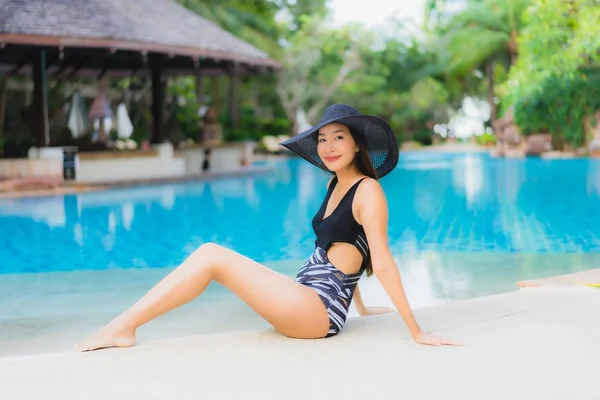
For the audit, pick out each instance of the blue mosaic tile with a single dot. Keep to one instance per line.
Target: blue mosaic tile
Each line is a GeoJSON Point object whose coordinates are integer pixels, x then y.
{"type": "Point", "coordinates": [438, 202]}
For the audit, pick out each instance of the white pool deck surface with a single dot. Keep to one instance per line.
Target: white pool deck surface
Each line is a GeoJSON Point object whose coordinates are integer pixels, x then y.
{"type": "Point", "coordinates": [534, 343]}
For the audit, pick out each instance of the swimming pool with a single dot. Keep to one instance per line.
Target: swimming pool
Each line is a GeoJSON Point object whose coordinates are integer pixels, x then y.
{"type": "Point", "coordinates": [461, 226]}
{"type": "Point", "coordinates": [438, 202]}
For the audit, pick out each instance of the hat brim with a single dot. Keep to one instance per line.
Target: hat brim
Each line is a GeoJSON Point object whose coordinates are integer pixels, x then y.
{"type": "Point", "coordinates": [378, 136]}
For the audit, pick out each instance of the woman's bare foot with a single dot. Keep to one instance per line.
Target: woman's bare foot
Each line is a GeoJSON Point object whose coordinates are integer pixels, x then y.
{"type": "Point", "coordinates": [112, 335]}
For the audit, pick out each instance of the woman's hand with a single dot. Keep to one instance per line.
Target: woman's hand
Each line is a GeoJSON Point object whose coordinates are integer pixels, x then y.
{"type": "Point", "coordinates": [431, 340]}
{"type": "Point", "coordinates": [377, 310]}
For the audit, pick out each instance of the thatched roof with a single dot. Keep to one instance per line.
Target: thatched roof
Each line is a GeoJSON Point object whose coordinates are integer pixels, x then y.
{"type": "Point", "coordinates": [159, 26]}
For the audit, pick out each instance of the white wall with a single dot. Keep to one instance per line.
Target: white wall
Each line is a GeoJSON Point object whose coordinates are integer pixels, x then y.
{"type": "Point", "coordinates": [117, 169]}
{"type": "Point", "coordinates": [224, 158]}
{"type": "Point", "coordinates": [165, 164]}
{"type": "Point", "coordinates": [22, 167]}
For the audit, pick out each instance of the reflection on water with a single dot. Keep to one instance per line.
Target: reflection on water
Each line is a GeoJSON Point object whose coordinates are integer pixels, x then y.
{"type": "Point", "coordinates": [593, 179]}
{"type": "Point", "coordinates": [438, 202]}
{"type": "Point", "coordinates": [467, 176]}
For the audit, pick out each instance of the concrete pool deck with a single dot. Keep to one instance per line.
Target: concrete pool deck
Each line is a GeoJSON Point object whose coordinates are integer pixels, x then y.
{"type": "Point", "coordinates": [540, 343]}
{"type": "Point", "coordinates": [74, 187]}
{"type": "Point", "coordinates": [583, 278]}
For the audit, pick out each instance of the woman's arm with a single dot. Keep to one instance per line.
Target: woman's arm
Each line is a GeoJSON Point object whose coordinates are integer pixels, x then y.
{"type": "Point", "coordinates": [373, 215]}
{"type": "Point", "coordinates": [362, 310]}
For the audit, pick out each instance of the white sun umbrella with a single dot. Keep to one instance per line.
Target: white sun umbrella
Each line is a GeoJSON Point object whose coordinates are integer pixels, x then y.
{"type": "Point", "coordinates": [77, 122]}
{"type": "Point", "coordinates": [124, 125]}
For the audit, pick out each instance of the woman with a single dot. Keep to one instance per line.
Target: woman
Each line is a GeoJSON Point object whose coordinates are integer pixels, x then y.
{"type": "Point", "coordinates": [351, 230]}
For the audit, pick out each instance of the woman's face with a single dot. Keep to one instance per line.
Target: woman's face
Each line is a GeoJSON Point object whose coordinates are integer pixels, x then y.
{"type": "Point", "coordinates": [336, 147]}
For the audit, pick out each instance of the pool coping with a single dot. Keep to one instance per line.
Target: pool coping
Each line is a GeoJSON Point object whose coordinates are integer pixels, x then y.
{"type": "Point", "coordinates": [73, 187]}
{"type": "Point", "coordinates": [508, 334]}
{"type": "Point", "coordinates": [590, 277]}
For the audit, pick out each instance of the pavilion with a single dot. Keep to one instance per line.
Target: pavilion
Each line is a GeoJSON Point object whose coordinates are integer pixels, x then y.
{"type": "Point", "coordinates": [95, 38]}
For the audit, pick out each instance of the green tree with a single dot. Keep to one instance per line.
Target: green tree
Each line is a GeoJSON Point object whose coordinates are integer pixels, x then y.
{"type": "Point", "coordinates": [295, 11]}
{"type": "Point", "coordinates": [560, 38]}
{"type": "Point", "coordinates": [317, 61]}
{"type": "Point", "coordinates": [392, 76]}
{"type": "Point", "coordinates": [479, 38]}
{"type": "Point", "coordinates": [554, 84]}
{"type": "Point", "coordinates": [396, 84]}
{"type": "Point", "coordinates": [277, 26]}
{"type": "Point", "coordinates": [253, 21]}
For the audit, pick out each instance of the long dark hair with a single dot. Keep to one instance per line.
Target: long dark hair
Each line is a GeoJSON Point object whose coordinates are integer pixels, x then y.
{"type": "Point", "coordinates": [362, 162]}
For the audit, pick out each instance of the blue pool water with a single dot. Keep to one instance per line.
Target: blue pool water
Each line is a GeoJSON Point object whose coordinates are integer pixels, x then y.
{"type": "Point", "coordinates": [438, 202]}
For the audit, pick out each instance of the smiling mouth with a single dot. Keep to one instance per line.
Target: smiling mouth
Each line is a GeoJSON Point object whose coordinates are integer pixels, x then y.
{"type": "Point", "coordinates": [330, 159]}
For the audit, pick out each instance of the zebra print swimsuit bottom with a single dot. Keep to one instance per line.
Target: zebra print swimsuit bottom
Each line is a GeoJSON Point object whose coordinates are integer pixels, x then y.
{"type": "Point", "coordinates": [334, 287]}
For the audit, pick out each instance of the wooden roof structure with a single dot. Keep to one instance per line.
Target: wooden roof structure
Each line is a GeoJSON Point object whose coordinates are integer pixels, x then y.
{"type": "Point", "coordinates": [94, 38]}
{"type": "Point", "coordinates": [115, 36]}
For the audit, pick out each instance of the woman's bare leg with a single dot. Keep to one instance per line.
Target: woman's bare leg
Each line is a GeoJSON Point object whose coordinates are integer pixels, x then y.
{"type": "Point", "coordinates": [294, 310]}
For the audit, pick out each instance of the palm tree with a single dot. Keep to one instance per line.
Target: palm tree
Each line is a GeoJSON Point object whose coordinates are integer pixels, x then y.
{"type": "Point", "coordinates": [483, 34]}
{"type": "Point", "coordinates": [438, 11]}
{"type": "Point", "coordinates": [251, 21]}
{"type": "Point", "coordinates": [255, 21]}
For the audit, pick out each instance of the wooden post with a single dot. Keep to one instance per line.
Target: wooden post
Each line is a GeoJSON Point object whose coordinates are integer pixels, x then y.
{"type": "Point", "coordinates": [216, 94]}
{"type": "Point", "coordinates": [158, 97]}
{"type": "Point", "coordinates": [3, 91]}
{"type": "Point", "coordinates": [199, 87]}
{"type": "Point", "coordinates": [234, 94]}
{"type": "Point", "coordinates": [40, 99]}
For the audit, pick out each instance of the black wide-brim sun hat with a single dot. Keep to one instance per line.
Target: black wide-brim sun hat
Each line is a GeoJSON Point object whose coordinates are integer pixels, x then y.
{"type": "Point", "coordinates": [377, 135]}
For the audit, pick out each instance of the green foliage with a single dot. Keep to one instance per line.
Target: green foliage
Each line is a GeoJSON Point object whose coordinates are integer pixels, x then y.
{"type": "Point", "coordinates": [186, 107]}
{"type": "Point", "coordinates": [559, 106]}
{"type": "Point", "coordinates": [318, 60]}
{"type": "Point", "coordinates": [386, 76]}
{"type": "Point", "coordinates": [475, 47]}
{"type": "Point", "coordinates": [423, 106]}
{"type": "Point", "coordinates": [394, 83]}
{"type": "Point", "coordinates": [414, 84]}
{"type": "Point", "coordinates": [253, 128]}
{"type": "Point", "coordinates": [296, 11]}
{"type": "Point", "coordinates": [423, 136]}
{"type": "Point", "coordinates": [252, 21]}
{"type": "Point", "coordinates": [555, 84]}
{"type": "Point", "coordinates": [485, 30]}
{"type": "Point", "coordinates": [539, 56]}
{"type": "Point", "coordinates": [17, 146]}
{"type": "Point", "coordinates": [544, 44]}
{"type": "Point", "coordinates": [560, 38]}
{"type": "Point", "coordinates": [486, 139]}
